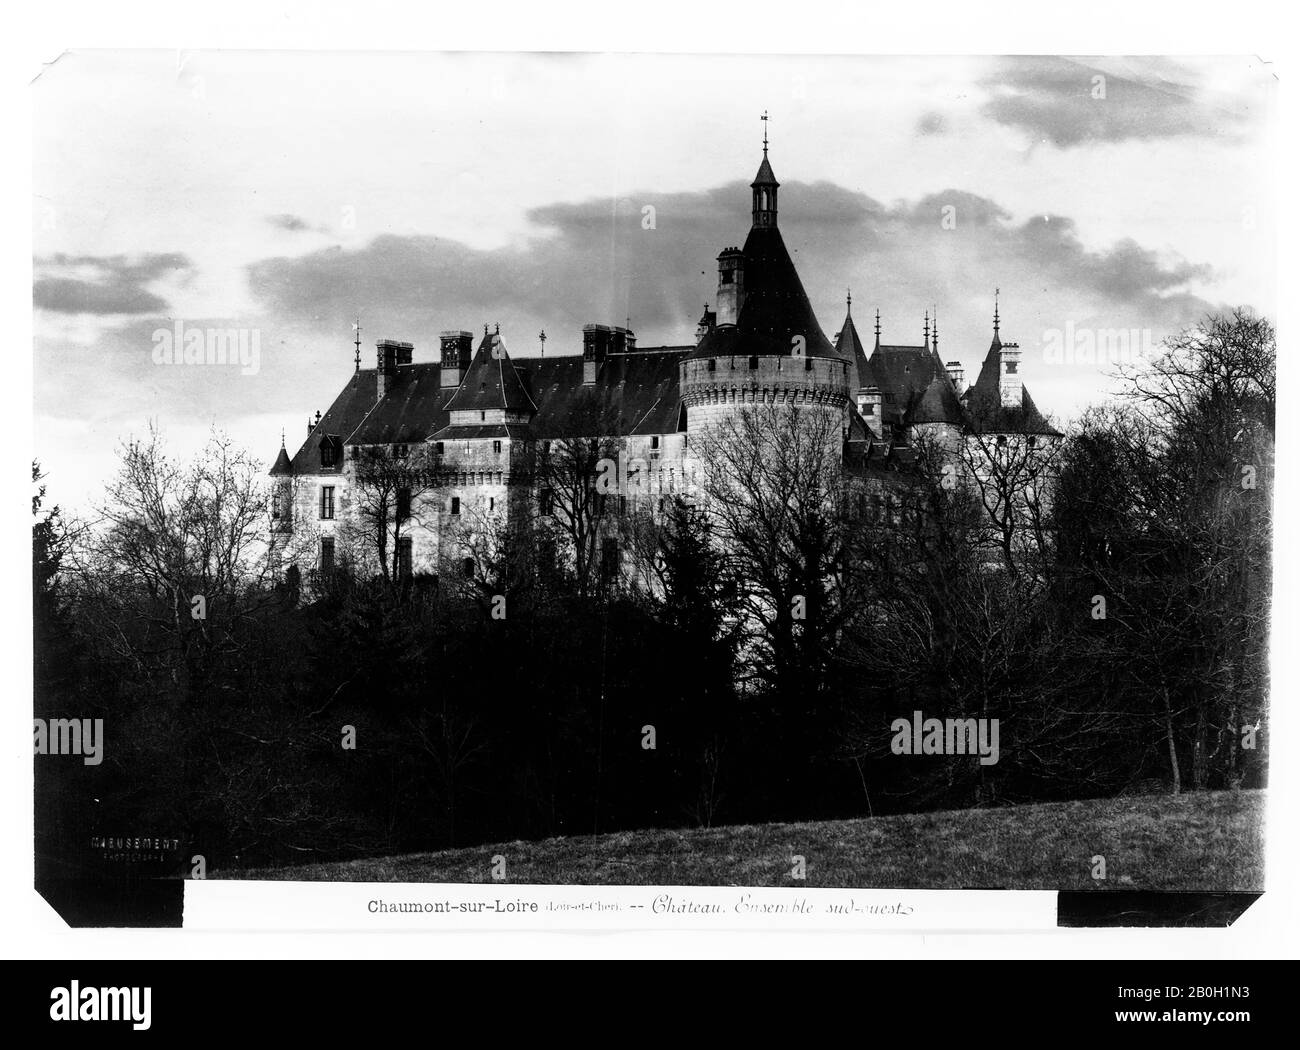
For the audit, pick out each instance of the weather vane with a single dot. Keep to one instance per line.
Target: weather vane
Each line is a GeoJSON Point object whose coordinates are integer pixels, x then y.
{"type": "Point", "coordinates": [542, 337]}
{"type": "Point", "coordinates": [764, 119]}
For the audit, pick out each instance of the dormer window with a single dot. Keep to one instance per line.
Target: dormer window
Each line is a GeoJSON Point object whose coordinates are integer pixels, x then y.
{"type": "Point", "coordinates": [327, 453]}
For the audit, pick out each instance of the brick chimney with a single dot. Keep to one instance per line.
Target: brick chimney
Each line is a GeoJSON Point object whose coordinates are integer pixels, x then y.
{"type": "Point", "coordinates": [457, 349]}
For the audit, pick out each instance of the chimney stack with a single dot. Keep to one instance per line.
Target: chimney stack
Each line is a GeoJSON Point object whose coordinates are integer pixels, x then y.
{"type": "Point", "coordinates": [869, 408]}
{"type": "Point", "coordinates": [731, 285]}
{"type": "Point", "coordinates": [958, 376]}
{"type": "Point", "coordinates": [1010, 385]}
{"type": "Point", "coordinates": [457, 349]}
{"type": "Point", "coordinates": [391, 354]}
{"type": "Point", "coordinates": [596, 339]}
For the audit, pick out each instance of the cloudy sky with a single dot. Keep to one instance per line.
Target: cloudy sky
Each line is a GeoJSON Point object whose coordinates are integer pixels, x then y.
{"type": "Point", "coordinates": [286, 194]}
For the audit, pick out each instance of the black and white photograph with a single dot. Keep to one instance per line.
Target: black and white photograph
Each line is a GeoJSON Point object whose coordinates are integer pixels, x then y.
{"type": "Point", "coordinates": [637, 486]}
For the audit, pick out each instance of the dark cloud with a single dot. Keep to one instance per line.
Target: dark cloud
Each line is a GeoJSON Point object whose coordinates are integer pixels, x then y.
{"type": "Point", "coordinates": [1057, 100]}
{"type": "Point", "coordinates": [932, 123]}
{"type": "Point", "coordinates": [594, 261]}
{"type": "Point", "coordinates": [285, 221]}
{"type": "Point", "coordinates": [114, 284]}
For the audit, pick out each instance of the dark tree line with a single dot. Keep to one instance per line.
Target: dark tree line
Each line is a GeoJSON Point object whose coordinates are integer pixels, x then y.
{"type": "Point", "coordinates": [745, 666]}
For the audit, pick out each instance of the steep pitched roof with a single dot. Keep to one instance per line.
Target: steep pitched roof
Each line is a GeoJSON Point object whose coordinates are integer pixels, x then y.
{"type": "Point", "coordinates": [491, 381]}
{"type": "Point", "coordinates": [282, 466]}
{"type": "Point", "coordinates": [413, 407]}
{"type": "Point", "coordinates": [983, 401]}
{"type": "Point", "coordinates": [634, 393]}
{"type": "Point", "coordinates": [849, 347]}
{"type": "Point", "coordinates": [343, 417]}
{"type": "Point", "coordinates": [938, 404]}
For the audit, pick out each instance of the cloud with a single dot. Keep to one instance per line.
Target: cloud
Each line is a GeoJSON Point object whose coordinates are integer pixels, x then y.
{"type": "Point", "coordinates": [285, 221]}
{"type": "Point", "coordinates": [595, 260]}
{"type": "Point", "coordinates": [1070, 101]}
{"type": "Point", "coordinates": [105, 285]}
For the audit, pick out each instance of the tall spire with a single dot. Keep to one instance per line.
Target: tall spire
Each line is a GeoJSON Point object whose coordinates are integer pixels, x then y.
{"type": "Point", "coordinates": [764, 187]}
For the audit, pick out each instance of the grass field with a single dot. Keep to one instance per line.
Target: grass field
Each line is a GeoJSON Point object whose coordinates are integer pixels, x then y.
{"type": "Point", "coordinates": [1203, 841]}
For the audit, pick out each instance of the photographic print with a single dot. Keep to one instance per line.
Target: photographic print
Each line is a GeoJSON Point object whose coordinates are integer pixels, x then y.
{"type": "Point", "coordinates": [743, 474]}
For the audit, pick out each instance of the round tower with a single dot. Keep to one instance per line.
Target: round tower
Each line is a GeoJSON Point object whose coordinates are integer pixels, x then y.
{"type": "Point", "coordinates": [766, 347]}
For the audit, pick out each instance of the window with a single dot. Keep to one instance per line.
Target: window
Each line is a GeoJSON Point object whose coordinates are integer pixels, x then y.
{"type": "Point", "coordinates": [1012, 366]}
{"type": "Point", "coordinates": [727, 277]}
{"type": "Point", "coordinates": [713, 364]}
{"type": "Point", "coordinates": [467, 568]}
{"type": "Point", "coordinates": [437, 448]}
{"type": "Point", "coordinates": [492, 503]}
{"type": "Point", "coordinates": [482, 416]}
{"type": "Point", "coordinates": [496, 448]}
{"type": "Point", "coordinates": [404, 558]}
{"type": "Point", "coordinates": [685, 441]}
{"type": "Point", "coordinates": [327, 452]}
{"type": "Point", "coordinates": [622, 504]}
{"type": "Point", "coordinates": [327, 554]}
{"type": "Point", "coordinates": [403, 504]}
{"type": "Point", "coordinates": [654, 446]}
{"type": "Point", "coordinates": [401, 451]}
{"type": "Point", "coordinates": [753, 362]}
{"type": "Point", "coordinates": [327, 502]}
{"type": "Point", "coordinates": [807, 364]}
{"type": "Point", "coordinates": [455, 504]}
{"type": "Point", "coordinates": [547, 503]}
{"type": "Point", "coordinates": [1002, 440]}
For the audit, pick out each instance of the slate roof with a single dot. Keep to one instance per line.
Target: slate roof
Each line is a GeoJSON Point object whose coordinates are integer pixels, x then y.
{"type": "Point", "coordinates": [282, 467]}
{"type": "Point", "coordinates": [983, 402]}
{"type": "Point", "coordinates": [635, 392]}
{"type": "Point", "coordinates": [775, 308]}
{"type": "Point", "coordinates": [491, 381]}
{"type": "Point", "coordinates": [849, 347]}
{"type": "Point", "coordinates": [342, 418]}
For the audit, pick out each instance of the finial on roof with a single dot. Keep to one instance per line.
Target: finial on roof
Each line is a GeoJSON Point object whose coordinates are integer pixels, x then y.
{"type": "Point", "coordinates": [764, 119]}
{"type": "Point", "coordinates": [282, 437]}
{"type": "Point", "coordinates": [356, 327]}
{"type": "Point", "coordinates": [927, 327]}
{"type": "Point", "coordinates": [848, 301]}
{"type": "Point", "coordinates": [542, 337]}
{"type": "Point", "coordinates": [877, 326]}
{"type": "Point", "coordinates": [996, 293]}
{"type": "Point", "coordinates": [485, 328]}
{"type": "Point", "coordinates": [934, 335]}
{"type": "Point", "coordinates": [498, 329]}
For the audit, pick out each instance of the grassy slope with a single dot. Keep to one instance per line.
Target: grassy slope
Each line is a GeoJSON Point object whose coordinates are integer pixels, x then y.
{"type": "Point", "coordinates": [1209, 841]}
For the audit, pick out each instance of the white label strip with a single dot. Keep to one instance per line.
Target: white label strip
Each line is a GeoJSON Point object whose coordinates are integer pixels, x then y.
{"type": "Point", "coordinates": [235, 904]}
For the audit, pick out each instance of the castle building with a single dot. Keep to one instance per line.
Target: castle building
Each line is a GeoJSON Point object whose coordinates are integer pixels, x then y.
{"type": "Point", "coordinates": [480, 417]}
